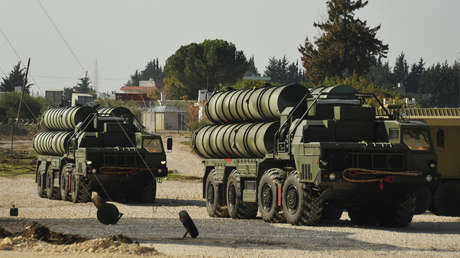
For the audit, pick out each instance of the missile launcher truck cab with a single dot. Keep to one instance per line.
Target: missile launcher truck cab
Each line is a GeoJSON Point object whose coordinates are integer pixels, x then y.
{"type": "Point", "coordinates": [444, 124]}
{"type": "Point", "coordinates": [306, 156]}
{"type": "Point", "coordinates": [103, 150]}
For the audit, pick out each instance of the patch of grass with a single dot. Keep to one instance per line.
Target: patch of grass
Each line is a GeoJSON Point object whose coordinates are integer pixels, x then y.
{"type": "Point", "coordinates": [179, 177]}
{"type": "Point", "coordinates": [17, 163]}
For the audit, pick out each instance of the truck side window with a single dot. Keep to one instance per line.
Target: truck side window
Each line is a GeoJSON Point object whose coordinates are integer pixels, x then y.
{"type": "Point", "coordinates": [153, 145]}
{"type": "Point", "coordinates": [440, 138]}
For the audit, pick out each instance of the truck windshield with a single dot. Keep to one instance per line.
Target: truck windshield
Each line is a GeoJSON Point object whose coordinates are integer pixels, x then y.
{"type": "Point", "coordinates": [153, 145]}
{"type": "Point", "coordinates": [416, 139]}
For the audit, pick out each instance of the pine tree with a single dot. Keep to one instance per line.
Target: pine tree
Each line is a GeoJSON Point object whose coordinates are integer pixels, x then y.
{"type": "Point", "coordinates": [84, 85]}
{"type": "Point", "coordinates": [346, 45]}
{"type": "Point", "coordinates": [401, 69]}
{"type": "Point", "coordinates": [252, 69]}
{"type": "Point", "coordinates": [16, 78]}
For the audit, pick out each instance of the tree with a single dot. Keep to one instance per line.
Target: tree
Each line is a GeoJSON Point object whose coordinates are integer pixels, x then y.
{"type": "Point", "coordinates": [252, 69]}
{"type": "Point", "coordinates": [280, 71]}
{"type": "Point", "coordinates": [84, 85]}
{"type": "Point", "coordinates": [401, 69]}
{"type": "Point", "coordinates": [152, 70]}
{"type": "Point", "coordinates": [31, 109]}
{"type": "Point", "coordinates": [440, 82]}
{"type": "Point", "coordinates": [346, 45]}
{"type": "Point", "coordinates": [207, 65]}
{"type": "Point", "coordinates": [413, 80]}
{"type": "Point", "coordinates": [380, 74]}
{"type": "Point", "coordinates": [16, 78]}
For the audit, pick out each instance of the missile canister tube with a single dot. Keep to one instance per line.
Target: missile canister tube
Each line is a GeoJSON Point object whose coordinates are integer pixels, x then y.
{"type": "Point", "coordinates": [51, 142]}
{"type": "Point", "coordinates": [65, 118]}
{"type": "Point", "coordinates": [247, 140]}
{"type": "Point", "coordinates": [114, 111]}
{"type": "Point", "coordinates": [261, 104]}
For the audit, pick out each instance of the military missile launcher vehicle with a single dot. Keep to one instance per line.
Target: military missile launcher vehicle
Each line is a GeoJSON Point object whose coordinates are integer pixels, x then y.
{"type": "Point", "coordinates": [444, 124]}
{"type": "Point", "coordinates": [105, 150]}
{"type": "Point", "coordinates": [304, 157]}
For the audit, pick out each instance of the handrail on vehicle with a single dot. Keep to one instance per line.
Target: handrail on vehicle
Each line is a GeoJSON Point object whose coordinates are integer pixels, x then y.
{"type": "Point", "coordinates": [317, 97]}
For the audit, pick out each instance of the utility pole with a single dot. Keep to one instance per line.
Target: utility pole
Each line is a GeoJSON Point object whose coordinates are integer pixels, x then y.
{"type": "Point", "coordinates": [14, 123]}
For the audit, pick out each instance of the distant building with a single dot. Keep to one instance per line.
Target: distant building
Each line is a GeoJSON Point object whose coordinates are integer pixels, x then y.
{"type": "Point", "coordinates": [164, 118]}
{"type": "Point", "coordinates": [54, 97]}
{"type": "Point", "coordinates": [82, 98]}
{"type": "Point", "coordinates": [138, 97]}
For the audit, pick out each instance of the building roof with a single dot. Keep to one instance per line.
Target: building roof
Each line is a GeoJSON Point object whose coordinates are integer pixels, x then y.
{"type": "Point", "coordinates": [138, 88]}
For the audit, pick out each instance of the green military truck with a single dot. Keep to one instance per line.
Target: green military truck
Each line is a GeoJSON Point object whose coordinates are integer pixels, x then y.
{"type": "Point", "coordinates": [304, 157]}
{"type": "Point", "coordinates": [85, 149]}
{"type": "Point", "coordinates": [444, 125]}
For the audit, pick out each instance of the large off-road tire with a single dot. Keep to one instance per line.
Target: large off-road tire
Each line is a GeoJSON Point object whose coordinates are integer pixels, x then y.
{"type": "Point", "coordinates": [267, 195]}
{"type": "Point", "coordinates": [149, 192]}
{"type": "Point", "coordinates": [424, 198]}
{"type": "Point", "coordinates": [363, 216]}
{"type": "Point", "coordinates": [446, 199]}
{"type": "Point", "coordinates": [41, 180]}
{"type": "Point", "coordinates": [237, 209]}
{"type": "Point", "coordinates": [301, 204]}
{"type": "Point", "coordinates": [79, 189]}
{"type": "Point", "coordinates": [399, 213]}
{"type": "Point", "coordinates": [188, 223]}
{"type": "Point", "coordinates": [66, 171]}
{"type": "Point", "coordinates": [41, 185]}
{"type": "Point", "coordinates": [331, 213]}
{"type": "Point", "coordinates": [50, 193]}
{"type": "Point", "coordinates": [213, 195]}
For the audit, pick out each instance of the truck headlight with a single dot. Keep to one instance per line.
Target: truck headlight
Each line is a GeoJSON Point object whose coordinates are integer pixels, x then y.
{"type": "Point", "coordinates": [163, 162]}
{"type": "Point", "coordinates": [432, 164]}
{"type": "Point", "coordinates": [429, 178]}
{"type": "Point", "coordinates": [332, 176]}
{"type": "Point", "coordinates": [160, 171]}
{"type": "Point", "coordinates": [89, 162]}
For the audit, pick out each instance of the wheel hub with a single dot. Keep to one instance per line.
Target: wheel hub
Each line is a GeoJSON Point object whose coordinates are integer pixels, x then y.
{"type": "Point", "coordinates": [292, 198]}
{"type": "Point", "coordinates": [267, 197]}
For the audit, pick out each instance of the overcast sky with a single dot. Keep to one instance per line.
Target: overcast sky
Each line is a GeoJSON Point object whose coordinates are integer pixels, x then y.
{"type": "Point", "coordinates": [122, 35]}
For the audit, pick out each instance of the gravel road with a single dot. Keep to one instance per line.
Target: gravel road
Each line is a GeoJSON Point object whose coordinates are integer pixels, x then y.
{"type": "Point", "coordinates": [159, 227]}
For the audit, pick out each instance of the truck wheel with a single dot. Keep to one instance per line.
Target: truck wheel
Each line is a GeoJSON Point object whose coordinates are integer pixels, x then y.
{"type": "Point", "coordinates": [363, 216]}
{"type": "Point", "coordinates": [79, 190]}
{"type": "Point", "coordinates": [214, 208]}
{"type": "Point", "coordinates": [40, 179]}
{"type": "Point", "coordinates": [237, 209]}
{"type": "Point", "coordinates": [400, 213]}
{"type": "Point", "coordinates": [41, 185]}
{"type": "Point", "coordinates": [301, 205]}
{"type": "Point", "coordinates": [50, 193]}
{"type": "Point", "coordinates": [149, 192]}
{"type": "Point", "coordinates": [267, 195]}
{"type": "Point", "coordinates": [446, 199]}
{"type": "Point", "coordinates": [331, 214]}
{"type": "Point", "coordinates": [64, 181]}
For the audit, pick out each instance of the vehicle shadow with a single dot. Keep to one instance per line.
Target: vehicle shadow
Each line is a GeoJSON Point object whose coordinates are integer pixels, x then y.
{"type": "Point", "coordinates": [168, 203]}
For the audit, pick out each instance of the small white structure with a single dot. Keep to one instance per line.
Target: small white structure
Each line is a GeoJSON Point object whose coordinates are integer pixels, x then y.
{"type": "Point", "coordinates": [81, 98]}
{"type": "Point", "coordinates": [164, 118]}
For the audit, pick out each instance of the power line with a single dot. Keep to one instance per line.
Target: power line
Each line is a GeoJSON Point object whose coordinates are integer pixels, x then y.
{"type": "Point", "coordinates": [18, 57]}
{"type": "Point", "coordinates": [61, 35]}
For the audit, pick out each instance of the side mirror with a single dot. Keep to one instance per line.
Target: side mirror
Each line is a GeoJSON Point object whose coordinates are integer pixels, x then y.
{"type": "Point", "coordinates": [169, 143]}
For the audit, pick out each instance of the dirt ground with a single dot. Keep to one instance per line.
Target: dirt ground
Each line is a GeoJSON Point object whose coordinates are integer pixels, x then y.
{"type": "Point", "coordinates": [158, 227]}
